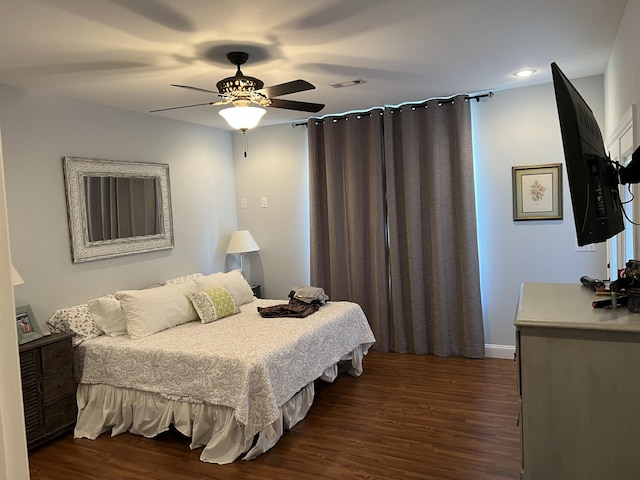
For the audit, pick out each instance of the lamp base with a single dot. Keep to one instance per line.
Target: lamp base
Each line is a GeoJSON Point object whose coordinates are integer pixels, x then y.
{"type": "Point", "coordinates": [242, 267]}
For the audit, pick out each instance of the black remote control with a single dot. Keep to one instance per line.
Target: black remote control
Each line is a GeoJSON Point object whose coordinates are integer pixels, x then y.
{"type": "Point", "coordinates": [592, 283]}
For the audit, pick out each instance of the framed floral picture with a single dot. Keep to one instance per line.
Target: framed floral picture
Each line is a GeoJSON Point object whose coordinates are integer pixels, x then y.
{"type": "Point", "coordinates": [537, 192]}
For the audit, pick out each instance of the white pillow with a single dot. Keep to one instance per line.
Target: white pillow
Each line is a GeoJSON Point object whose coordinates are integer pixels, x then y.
{"type": "Point", "coordinates": [108, 315]}
{"type": "Point", "coordinates": [152, 310]}
{"type": "Point", "coordinates": [233, 281]}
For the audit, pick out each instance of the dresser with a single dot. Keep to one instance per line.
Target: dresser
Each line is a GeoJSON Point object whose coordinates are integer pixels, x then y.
{"type": "Point", "coordinates": [48, 387]}
{"type": "Point", "coordinates": [579, 385]}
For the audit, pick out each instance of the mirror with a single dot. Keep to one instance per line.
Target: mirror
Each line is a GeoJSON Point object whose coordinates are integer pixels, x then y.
{"type": "Point", "coordinates": [122, 207]}
{"type": "Point", "coordinates": [117, 208]}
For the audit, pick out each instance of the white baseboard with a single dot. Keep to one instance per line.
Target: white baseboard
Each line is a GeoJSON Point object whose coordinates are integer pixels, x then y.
{"type": "Point", "coordinates": [500, 351]}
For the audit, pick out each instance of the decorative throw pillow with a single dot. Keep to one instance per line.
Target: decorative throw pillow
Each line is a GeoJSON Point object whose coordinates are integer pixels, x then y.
{"type": "Point", "coordinates": [185, 278]}
{"type": "Point", "coordinates": [57, 325]}
{"type": "Point", "coordinates": [76, 319]}
{"type": "Point", "coordinates": [213, 304]}
{"type": "Point", "coordinates": [108, 315]}
{"type": "Point", "coordinates": [233, 281]}
{"type": "Point", "coordinates": [154, 309]}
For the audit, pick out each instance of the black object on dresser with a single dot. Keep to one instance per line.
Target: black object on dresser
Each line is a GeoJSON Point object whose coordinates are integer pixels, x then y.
{"type": "Point", "coordinates": [48, 387]}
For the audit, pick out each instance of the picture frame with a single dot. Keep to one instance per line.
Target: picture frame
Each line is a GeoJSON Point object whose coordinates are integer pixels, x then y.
{"type": "Point", "coordinates": [95, 230]}
{"type": "Point", "coordinates": [27, 325]}
{"type": "Point", "coordinates": [537, 192]}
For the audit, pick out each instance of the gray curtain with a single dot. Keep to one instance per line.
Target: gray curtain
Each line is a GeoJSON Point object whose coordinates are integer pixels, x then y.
{"type": "Point", "coordinates": [348, 229]}
{"type": "Point", "coordinates": [433, 248]}
{"type": "Point", "coordinates": [393, 224]}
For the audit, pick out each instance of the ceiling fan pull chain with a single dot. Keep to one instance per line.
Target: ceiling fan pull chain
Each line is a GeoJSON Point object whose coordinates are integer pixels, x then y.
{"type": "Point", "coordinates": [246, 144]}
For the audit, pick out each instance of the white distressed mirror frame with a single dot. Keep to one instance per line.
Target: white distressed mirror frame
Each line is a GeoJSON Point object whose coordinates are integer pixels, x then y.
{"type": "Point", "coordinates": [83, 250]}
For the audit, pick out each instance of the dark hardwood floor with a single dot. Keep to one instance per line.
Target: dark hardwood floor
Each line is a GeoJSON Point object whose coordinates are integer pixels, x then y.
{"type": "Point", "coordinates": [406, 417]}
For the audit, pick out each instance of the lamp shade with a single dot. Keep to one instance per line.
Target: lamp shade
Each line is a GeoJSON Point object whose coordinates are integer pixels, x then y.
{"type": "Point", "coordinates": [242, 118]}
{"type": "Point", "coordinates": [242, 242]}
{"type": "Point", "coordinates": [16, 279]}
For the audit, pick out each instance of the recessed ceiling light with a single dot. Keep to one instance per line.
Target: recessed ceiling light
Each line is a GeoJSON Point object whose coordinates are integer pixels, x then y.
{"type": "Point", "coordinates": [525, 72]}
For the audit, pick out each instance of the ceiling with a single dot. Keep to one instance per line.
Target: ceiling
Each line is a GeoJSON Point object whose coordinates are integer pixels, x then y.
{"type": "Point", "coordinates": [127, 53]}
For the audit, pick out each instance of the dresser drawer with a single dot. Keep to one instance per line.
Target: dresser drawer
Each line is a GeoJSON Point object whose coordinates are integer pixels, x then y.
{"type": "Point", "coordinates": [60, 414]}
{"type": "Point", "coordinates": [55, 356]}
{"type": "Point", "coordinates": [57, 385]}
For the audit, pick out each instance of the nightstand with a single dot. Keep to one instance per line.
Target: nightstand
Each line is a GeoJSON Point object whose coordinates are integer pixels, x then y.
{"type": "Point", "coordinates": [257, 290]}
{"type": "Point", "coordinates": [48, 387]}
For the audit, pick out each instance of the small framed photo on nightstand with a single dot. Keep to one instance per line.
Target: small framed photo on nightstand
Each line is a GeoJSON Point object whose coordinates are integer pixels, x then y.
{"type": "Point", "coordinates": [28, 328]}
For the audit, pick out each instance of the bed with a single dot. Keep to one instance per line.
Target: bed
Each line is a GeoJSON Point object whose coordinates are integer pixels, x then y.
{"type": "Point", "coordinates": [234, 385]}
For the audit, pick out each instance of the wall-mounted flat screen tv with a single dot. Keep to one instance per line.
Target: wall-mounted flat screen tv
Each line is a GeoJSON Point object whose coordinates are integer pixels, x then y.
{"type": "Point", "coordinates": [593, 177]}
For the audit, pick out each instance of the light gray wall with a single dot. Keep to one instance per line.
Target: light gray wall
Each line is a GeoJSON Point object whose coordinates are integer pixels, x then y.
{"type": "Point", "coordinates": [38, 130]}
{"type": "Point", "coordinates": [520, 127]}
{"type": "Point", "coordinates": [276, 167]}
{"type": "Point", "coordinates": [622, 78]}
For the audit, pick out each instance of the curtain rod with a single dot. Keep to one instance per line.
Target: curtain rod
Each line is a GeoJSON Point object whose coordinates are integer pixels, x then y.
{"type": "Point", "coordinates": [441, 101]}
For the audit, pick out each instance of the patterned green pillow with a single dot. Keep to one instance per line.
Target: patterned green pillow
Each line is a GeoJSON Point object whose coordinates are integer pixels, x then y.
{"type": "Point", "coordinates": [213, 304]}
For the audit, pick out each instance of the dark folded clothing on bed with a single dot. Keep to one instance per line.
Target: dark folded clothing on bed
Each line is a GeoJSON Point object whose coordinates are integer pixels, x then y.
{"type": "Point", "coordinates": [303, 301]}
{"type": "Point", "coordinates": [295, 308]}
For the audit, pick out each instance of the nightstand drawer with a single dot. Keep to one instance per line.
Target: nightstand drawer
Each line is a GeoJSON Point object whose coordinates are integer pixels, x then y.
{"type": "Point", "coordinates": [55, 356]}
{"type": "Point", "coordinates": [60, 414]}
{"type": "Point", "coordinates": [58, 385]}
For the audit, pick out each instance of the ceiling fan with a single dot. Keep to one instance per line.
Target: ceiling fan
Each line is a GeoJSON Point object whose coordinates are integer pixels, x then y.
{"type": "Point", "coordinates": [242, 91]}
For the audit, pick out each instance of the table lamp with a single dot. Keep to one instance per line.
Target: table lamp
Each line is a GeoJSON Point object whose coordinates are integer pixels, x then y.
{"type": "Point", "coordinates": [242, 242]}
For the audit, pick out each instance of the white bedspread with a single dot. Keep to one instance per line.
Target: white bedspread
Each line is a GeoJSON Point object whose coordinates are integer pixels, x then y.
{"type": "Point", "coordinates": [248, 363]}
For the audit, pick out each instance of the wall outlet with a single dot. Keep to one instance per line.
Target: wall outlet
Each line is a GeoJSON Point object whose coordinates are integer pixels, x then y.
{"type": "Point", "coordinates": [243, 203]}
{"type": "Point", "coordinates": [264, 203]}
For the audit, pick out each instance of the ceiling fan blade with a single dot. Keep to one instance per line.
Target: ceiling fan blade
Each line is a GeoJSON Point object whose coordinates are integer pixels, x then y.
{"type": "Point", "coordinates": [183, 106]}
{"type": "Point", "coordinates": [286, 88]}
{"type": "Point", "coordinates": [197, 89]}
{"type": "Point", "coordinates": [293, 105]}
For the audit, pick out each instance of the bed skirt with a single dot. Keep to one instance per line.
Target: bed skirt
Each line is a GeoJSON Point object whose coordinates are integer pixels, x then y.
{"type": "Point", "coordinates": [103, 408]}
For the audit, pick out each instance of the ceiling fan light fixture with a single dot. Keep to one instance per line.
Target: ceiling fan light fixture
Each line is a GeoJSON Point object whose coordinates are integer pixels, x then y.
{"type": "Point", "coordinates": [238, 85]}
{"type": "Point", "coordinates": [242, 117]}
{"type": "Point", "coordinates": [243, 91]}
